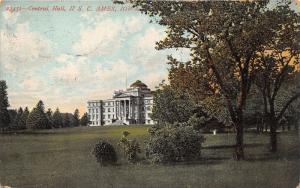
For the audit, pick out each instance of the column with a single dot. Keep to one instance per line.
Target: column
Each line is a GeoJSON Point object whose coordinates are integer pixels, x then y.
{"type": "Point", "coordinates": [125, 109]}
{"type": "Point", "coordinates": [129, 110]}
{"type": "Point", "coordinates": [118, 109]}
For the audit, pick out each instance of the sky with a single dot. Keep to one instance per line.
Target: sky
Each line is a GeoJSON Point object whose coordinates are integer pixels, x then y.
{"type": "Point", "coordinates": [66, 58]}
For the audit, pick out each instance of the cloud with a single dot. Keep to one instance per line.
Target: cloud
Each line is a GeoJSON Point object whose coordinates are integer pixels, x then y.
{"type": "Point", "coordinates": [23, 48]}
{"type": "Point", "coordinates": [153, 79]}
{"type": "Point", "coordinates": [119, 68]}
{"type": "Point", "coordinates": [32, 85]}
{"type": "Point", "coordinates": [107, 36]}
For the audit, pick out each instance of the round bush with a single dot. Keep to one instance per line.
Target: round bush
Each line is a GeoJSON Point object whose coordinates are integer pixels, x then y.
{"type": "Point", "coordinates": [105, 153]}
{"type": "Point", "coordinates": [174, 143]}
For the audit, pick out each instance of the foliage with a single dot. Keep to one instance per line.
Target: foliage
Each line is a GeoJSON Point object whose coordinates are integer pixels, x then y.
{"type": "Point", "coordinates": [49, 115]}
{"type": "Point", "coordinates": [4, 115]}
{"type": "Point", "coordinates": [131, 148]}
{"type": "Point", "coordinates": [23, 119]}
{"type": "Point", "coordinates": [76, 118]}
{"type": "Point", "coordinates": [18, 124]}
{"type": "Point", "coordinates": [277, 68]}
{"type": "Point", "coordinates": [171, 106]}
{"type": "Point", "coordinates": [84, 121]}
{"type": "Point", "coordinates": [66, 120]}
{"type": "Point", "coordinates": [37, 118]}
{"type": "Point", "coordinates": [57, 119]}
{"type": "Point", "coordinates": [224, 38]}
{"type": "Point", "coordinates": [105, 153]}
{"type": "Point", "coordinates": [173, 143]}
{"type": "Point", "coordinates": [196, 122]}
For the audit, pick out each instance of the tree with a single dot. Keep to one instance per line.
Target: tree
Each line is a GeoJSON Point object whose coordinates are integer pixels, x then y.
{"type": "Point", "coordinates": [37, 118]}
{"type": "Point", "coordinates": [223, 37]}
{"type": "Point", "coordinates": [84, 121]}
{"type": "Point", "coordinates": [24, 117]}
{"type": "Point", "coordinates": [57, 119]}
{"type": "Point", "coordinates": [76, 118]}
{"type": "Point", "coordinates": [277, 68]}
{"type": "Point", "coordinates": [66, 120]}
{"type": "Point", "coordinates": [171, 106]}
{"type": "Point", "coordinates": [49, 115]}
{"type": "Point", "coordinates": [17, 119]}
{"type": "Point", "coordinates": [4, 104]}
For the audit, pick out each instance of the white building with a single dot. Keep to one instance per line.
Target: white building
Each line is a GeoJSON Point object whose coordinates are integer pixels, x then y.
{"type": "Point", "coordinates": [132, 106]}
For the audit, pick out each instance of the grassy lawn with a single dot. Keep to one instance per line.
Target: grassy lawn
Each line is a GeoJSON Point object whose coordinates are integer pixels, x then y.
{"type": "Point", "coordinates": [62, 158]}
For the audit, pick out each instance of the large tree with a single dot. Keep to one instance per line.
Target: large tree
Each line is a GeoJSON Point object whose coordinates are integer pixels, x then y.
{"type": "Point", "coordinates": [57, 119]}
{"type": "Point", "coordinates": [171, 106]}
{"type": "Point", "coordinates": [49, 115]}
{"type": "Point", "coordinates": [4, 115]}
{"type": "Point", "coordinates": [66, 119]}
{"type": "Point", "coordinates": [17, 119]}
{"type": "Point", "coordinates": [22, 121]}
{"type": "Point", "coordinates": [76, 118]}
{"type": "Point", "coordinates": [37, 118]}
{"type": "Point", "coordinates": [84, 121]}
{"type": "Point", "coordinates": [278, 69]}
{"type": "Point", "coordinates": [223, 37]}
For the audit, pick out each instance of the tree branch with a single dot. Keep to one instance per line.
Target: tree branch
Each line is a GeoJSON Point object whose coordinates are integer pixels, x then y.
{"type": "Point", "coordinates": [296, 96]}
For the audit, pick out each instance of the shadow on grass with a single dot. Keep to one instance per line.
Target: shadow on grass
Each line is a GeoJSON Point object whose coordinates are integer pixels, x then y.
{"type": "Point", "coordinates": [231, 146]}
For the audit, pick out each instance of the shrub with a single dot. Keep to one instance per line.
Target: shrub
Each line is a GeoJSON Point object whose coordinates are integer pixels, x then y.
{"type": "Point", "coordinates": [105, 153]}
{"type": "Point", "coordinates": [174, 143]}
{"type": "Point", "coordinates": [197, 122]}
{"type": "Point", "coordinates": [131, 147]}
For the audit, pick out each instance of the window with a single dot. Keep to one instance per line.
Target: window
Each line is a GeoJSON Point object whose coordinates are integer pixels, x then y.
{"type": "Point", "coordinates": [108, 109]}
{"type": "Point", "coordinates": [148, 108]}
{"type": "Point", "coordinates": [103, 116]}
{"type": "Point", "coordinates": [149, 121]}
{"type": "Point", "coordinates": [108, 116]}
{"type": "Point", "coordinates": [97, 116]}
{"type": "Point", "coordinates": [96, 110]}
{"type": "Point", "coordinates": [90, 111]}
{"type": "Point", "coordinates": [112, 109]}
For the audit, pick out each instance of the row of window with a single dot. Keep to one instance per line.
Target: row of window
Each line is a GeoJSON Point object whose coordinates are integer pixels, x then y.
{"type": "Point", "coordinates": [95, 123]}
{"type": "Point", "coordinates": [147, 101]}
{"type": "Point", "coordinates": [109, 103]}
{"type": "Point", "coordinates": [94, 110]}
{"type": "Point", "coordinates": [148, 108]}
{"type": "Point", "coordinates": [109, 116]}
{"type": "Point", "coordinates": [94, 103]}
{"type": "Point", "coordinates": [110, 109]}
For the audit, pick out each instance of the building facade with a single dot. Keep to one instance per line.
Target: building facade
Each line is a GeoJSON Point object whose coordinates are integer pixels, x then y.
{"type": "Point", "coordinates": [132, 106]}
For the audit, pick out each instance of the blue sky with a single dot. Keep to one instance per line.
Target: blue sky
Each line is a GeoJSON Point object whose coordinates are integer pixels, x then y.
{"type": "Point", "coordinates": [67, 58]}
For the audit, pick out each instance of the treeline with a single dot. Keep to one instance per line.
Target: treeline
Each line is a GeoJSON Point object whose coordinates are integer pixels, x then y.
{"type": "Point", "coordinates": [37, 118]}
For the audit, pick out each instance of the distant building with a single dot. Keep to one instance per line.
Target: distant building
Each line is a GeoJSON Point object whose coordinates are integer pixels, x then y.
{"type": "Point", "coordinates": [132, 106]}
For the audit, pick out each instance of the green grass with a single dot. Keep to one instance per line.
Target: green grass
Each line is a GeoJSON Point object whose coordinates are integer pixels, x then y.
{"type": "Point", "coordinates": [62, 158]}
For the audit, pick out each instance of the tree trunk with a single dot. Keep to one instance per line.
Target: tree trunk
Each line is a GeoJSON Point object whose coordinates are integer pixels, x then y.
{"type": "Point", "coordinates": [239, 149]}
{"type": "Point", "coordinates": [273, 136]}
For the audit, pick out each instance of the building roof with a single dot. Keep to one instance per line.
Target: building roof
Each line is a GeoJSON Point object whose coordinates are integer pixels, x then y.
{"type": "Point", "coordinates": [139, 84]}
{"type": "Point", "coordinates": [120, 95]}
